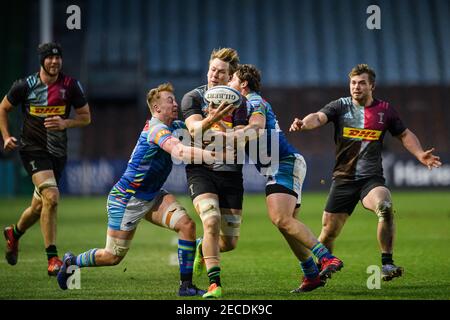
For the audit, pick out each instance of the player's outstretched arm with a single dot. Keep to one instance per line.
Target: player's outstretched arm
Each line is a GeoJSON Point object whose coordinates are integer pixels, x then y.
{"type": "Point", "coordinates": [310, 122]}
{"type": "Point", "coordinates": [9, 142]}
{"type": "Point", "coordinates": [187, 154]}
{"type": "Point", "coordinates": [412, 144]}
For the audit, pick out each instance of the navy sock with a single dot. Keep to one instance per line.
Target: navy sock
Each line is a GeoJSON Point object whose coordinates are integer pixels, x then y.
{"type": "Point", "coordinates": [51, 251]}
{"type": "Point", "coordinates": [85, 259]}
{"type": "Point", "coordinates": [320, 251]}
{"type": "Point", "coordinates": [214, 275]}
{"type": "Point", "coordinates": [186, 254]}
{"type": "Point", "coordinates": [309, 268]}
{"type": "Point", "coordinates": [17, 233]}
{"type": "Point", "coordinates": [386, 258]}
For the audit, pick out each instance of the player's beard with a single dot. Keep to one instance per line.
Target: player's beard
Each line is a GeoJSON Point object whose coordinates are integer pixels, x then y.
{"type": "Point", "coordinates": [361, 98]}
{"type": "Point", "coordinates": [53, 71]}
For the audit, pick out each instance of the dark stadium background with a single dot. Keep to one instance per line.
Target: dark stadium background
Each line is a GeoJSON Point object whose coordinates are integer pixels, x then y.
{"type": "Point", "coordinates": [305, 50]}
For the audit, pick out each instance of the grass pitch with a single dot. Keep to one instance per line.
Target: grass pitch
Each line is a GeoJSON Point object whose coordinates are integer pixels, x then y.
{"type": "Point", "coordinates": [262, 266]}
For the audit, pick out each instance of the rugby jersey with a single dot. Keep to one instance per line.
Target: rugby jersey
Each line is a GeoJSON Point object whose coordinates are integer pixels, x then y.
{"type": "Point", "coordinates": [40, 101]}
{"type": "Point", "coordinates": [149, 165]}
{"type": "Point", "coordinates": [258, 105]}
{"type": "Point", "coordinates": [358, 134]}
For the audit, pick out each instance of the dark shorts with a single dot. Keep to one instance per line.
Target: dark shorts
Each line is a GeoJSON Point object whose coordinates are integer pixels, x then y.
{"type": "Point", "coordinates": [35, 161]}
{"type": "Point", "coordinates": [344, 195]}
{"type": "Point", "coordinates": [278, 188]}
{"type": "Point", "coordinates": [227, 185]}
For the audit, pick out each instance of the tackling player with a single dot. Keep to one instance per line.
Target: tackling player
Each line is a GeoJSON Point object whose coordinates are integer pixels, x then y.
{"type": "Point", "coordinates": [138, 194]}
{"type": "Point", "coordinates": [284, 186]}
{"type": "Point", "coordinates": [46, 98]}
{"type": "Point", "coordinates": [360, 123]}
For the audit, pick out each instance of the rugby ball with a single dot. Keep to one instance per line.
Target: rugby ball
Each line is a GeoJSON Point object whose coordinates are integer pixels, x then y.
{"type": "Point", "coordinates": [218, 94]}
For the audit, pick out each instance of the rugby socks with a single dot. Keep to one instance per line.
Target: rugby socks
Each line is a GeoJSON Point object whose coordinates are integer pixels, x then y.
{"type": "Point", "coordinates": [320, 251]}
{"type": "Point", "coordinates": [85, 259]}
{"type": "Point", "coordinates": [186, 254]}
{"type": "Point", "coordinates": [214, 275]}
{"type": "Point", "coordinates": [309, 268]}
{"type": "Point", "coordinates": [51, 251]}
{"type": "Point", "coordinates": [386, 258]}
{"type": "Point", "coordinates": [17, 233]}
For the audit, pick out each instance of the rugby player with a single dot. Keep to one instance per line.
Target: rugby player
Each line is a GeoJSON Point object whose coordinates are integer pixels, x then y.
{"type": "Point", "coordinates": [46, 98]}
{"type": "Point", "coordinates": [216, 190]}
{"type": "Point", "coordinates": [138, 194]}
{"type": "Point", "coordinates": [361, 122]}
{"type": "Point", "coordinates": [284, 181]}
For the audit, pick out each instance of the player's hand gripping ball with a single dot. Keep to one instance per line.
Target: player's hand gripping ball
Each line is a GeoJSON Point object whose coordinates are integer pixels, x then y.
{"type": "Point", "coordinates": [219, 94]}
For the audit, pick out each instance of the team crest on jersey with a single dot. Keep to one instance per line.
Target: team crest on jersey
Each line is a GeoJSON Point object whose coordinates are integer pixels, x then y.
{"type": "Point", "coordinates": [363, 134]}
{"type": "Point", "coordinates": [45, 111]}
{"type": "Point", "coordinates": [62, 93]}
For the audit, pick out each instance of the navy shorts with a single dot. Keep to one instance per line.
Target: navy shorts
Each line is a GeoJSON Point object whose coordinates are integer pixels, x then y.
{"type": "Point", "coordinates": [344, 195]}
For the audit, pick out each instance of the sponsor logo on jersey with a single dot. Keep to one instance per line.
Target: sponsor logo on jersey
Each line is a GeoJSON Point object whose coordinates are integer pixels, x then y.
{"type": "Point", "coordinates": [364, 134]}
{"type": "Point", "coordinates": [45, 111]}
{"type": "Point", "coordinates": [161, 133]}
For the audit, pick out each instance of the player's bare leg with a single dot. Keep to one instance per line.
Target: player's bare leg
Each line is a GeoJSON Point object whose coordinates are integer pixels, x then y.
{"type": "Point", "coordinates": [332, 224]}
{"type": "Point", "coordinates": [378, 200]}
{"type": "Point", "coordinates": [283, 214]}
{"type": "Point", "coordinates": [50, 198]}
{"type": "Point", "coordinates": [207, 206]}
{"type": "Point", "coordinates": [159, 215]}
{"type": "Point", "coordinates": [230, 228]}
{"type": "Point", "coordinates": [46, 186]}
{"type": "Point", "coordinates": [30, 215]}
{"type": "Point", "coordinates": [168, 213]}
{"type": "Point", "coordinates": [112, 257]}
{"type": "Point", "coordinates": [117, 245]}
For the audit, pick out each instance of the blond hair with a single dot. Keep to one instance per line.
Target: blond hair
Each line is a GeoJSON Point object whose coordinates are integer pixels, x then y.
{"type": "Point", "coordinates": [363, 68]}
{"type": "Point", "coordinates": [154, 94]}
{"type": "Point", "coordinates": [226, 55]}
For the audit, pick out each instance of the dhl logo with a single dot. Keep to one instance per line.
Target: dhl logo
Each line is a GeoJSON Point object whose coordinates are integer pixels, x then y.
{"type": "Point", "coordinates": [365, 134]}
{"type": "Point", "coordinates": [45, 111]}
